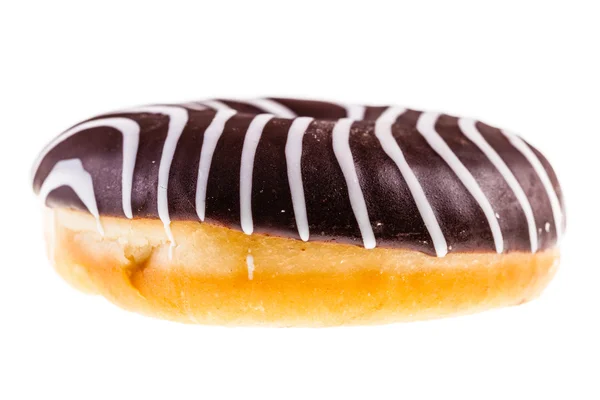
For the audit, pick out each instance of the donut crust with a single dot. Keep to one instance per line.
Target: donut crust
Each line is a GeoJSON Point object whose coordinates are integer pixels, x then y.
{"type": "Point", "coordinates": [208, 279]}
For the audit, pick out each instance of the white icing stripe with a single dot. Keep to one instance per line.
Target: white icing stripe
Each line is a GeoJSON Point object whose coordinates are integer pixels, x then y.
{"type": "Point", "coordinates": [469, 129]}
{"type": "Point", "coordinates": [341, 148]}
{"type": "Point", "coordinates": [520, 145]}
{"type": "Point", "coordinates": [293, 157]}
{"type": "Point", "coordinates": [250, 265]}
{"type": "Point", "coordinates": [195, 106]}
{"type": "Point", "coordinates": [178, 118]}
{"type": "Point", "coordinates": [383, 131]}
{"type": "Point", "coordinates": [130, 131]}
{"type": "Point", "coordinates": [391, 114]}
{"type": "Point", "coordinates": [271, 107]}
{"type": "Point", "coordinates": [251, 140]}
{"type": "Point", "coordinates": [426, 127]}
{"type": "Point", "coordinates": [215, 104]}
{"type": "Point", "coordinates": [209, 143]}
{"type": "Point", "coordinates": [71, 173]}
{"type": "Point", "coordinates": [355, 111]}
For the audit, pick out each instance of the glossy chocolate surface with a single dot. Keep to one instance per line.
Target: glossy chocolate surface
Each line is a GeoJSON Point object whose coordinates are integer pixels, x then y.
{"type": "Point", "coordinates": [394, 216]}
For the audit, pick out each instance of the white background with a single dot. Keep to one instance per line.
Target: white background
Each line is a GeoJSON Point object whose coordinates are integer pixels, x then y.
{"type": "Point", "coordinates": [532, 67]}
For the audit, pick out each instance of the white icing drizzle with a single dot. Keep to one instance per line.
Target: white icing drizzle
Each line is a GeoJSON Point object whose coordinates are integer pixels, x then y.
{"type": "Point", "coordinates": [251, 140]}
{"type": "Point", "coordinates": [71, 173]}
{"type": "Point", "coordinates": [130, 130]}
{"type": "Point", "coordinates": [293, 158]}
{"type": "Point", "coordinates": [520, 145]}
{"type": "Point", "coordinates": [469, 129]}
{"type": "Point", "coordinates": [250, 265]}
{"type": "Point", "coordinates": [341, 148]}
{"type": "Point", "coordinates": [355, 111]}
{"type": "Point", "coordinates": [215, 104]}
{"type": "Point", "coordinates": [178, 117]}
{"type": "Point", "coordinates": [383, 131]}
{"type": "Point", "coordinates": [271, 107]}
{"type": "Point", "coordinates": [193, 105]}
{"type": "Point", "coordinates": [209, 143]}
{"type": "Point", "coordinates": [426, 127]}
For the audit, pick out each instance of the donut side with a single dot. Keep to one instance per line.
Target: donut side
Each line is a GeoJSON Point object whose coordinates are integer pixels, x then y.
{"type": "Point", "coordinates": [218, 275]}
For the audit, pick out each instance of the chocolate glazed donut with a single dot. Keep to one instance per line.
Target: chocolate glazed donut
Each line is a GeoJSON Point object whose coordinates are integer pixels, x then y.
{"type": "Point", "coordinates": [310, 171]}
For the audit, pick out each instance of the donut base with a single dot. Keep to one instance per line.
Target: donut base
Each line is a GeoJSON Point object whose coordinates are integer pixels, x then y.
{"type": "Point", "coordinates": [207, 279]}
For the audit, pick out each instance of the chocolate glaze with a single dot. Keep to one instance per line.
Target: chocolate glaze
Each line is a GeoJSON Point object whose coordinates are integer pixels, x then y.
{"type": "Point", "coordinates": [392, 211]}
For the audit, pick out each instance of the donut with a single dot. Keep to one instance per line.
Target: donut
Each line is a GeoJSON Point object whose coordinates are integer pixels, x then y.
{"type": "Point", "coordinates": [288, 212]}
